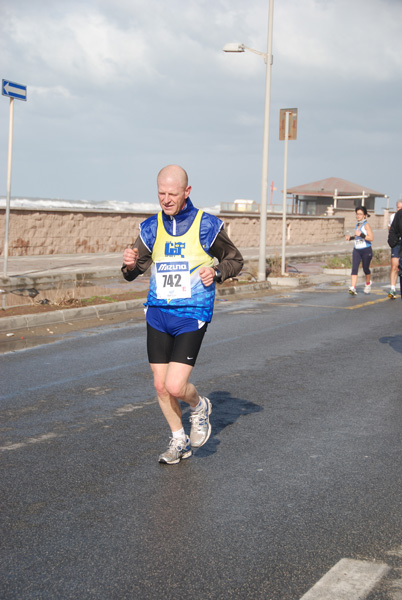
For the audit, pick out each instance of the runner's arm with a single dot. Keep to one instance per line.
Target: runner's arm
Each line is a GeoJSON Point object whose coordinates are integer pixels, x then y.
{"type": "Point", "coordinates": [230, 261]}
{"type": "Point", "coordinates": [144, 261]}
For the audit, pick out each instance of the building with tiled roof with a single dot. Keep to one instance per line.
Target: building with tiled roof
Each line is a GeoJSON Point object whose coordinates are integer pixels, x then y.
{"type": "Point", "coordinates": [317, 197]}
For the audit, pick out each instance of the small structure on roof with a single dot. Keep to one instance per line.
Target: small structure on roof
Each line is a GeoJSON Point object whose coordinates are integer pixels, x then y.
{"type": "Point", "coordinates": [249, 206]}
{"type": "Point", "coordinates": [246, 205]}
{"type": "Point", "coordinates": [324, 196]}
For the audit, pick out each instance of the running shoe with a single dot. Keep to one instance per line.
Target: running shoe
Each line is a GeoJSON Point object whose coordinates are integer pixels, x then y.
{"type": "Point", "coordinates": [367, 288]}
{"type": "Point", "coordinates": [352, 291]}
{"type": "Point", "coordinates": [178, 450]}
{"type": "Point", "coordinates": [200, 425]}
{"type": "Point", "coordinates": [392, 294]}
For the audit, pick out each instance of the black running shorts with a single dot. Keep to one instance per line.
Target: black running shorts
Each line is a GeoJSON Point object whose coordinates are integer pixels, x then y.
{"type": "Point", "coordinates": [164, 348]}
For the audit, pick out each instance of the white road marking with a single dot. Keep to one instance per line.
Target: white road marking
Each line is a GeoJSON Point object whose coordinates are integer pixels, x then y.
{"type": "Point", "coordinates": [348, 580]}
{"type": "Point", "coordinates": [41, 438]}
{"type": "Point", "coordinates": [98, 391]}
{"type": "Point", "coordinates": [395, 585]}
{"type": "Point", "coordinates": [126, 409]}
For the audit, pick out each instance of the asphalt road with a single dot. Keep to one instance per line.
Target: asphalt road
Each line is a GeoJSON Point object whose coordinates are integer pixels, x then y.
{"type": "Point", "coordinates": [303, 467]}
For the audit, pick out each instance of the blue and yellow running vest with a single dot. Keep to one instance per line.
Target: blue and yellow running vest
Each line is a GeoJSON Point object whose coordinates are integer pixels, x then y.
{"type": "Point", "coordinates": [175, 284]}
{"type": "Point", "coordinates": [360, 242]}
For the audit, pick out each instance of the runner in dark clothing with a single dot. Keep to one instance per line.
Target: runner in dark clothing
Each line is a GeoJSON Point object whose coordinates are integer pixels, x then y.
{"type": "Point", "coordinates": [395, 237]}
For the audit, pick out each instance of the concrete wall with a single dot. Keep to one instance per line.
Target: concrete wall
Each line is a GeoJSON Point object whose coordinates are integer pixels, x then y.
{"type": "Point", "coordinates": [33, 232]}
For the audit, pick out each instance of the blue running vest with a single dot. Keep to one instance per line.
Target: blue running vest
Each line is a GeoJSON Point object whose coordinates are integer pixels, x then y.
{"type": "Point", "coordinates": [175, 284]}
{"type": "Point", "coordinates": [360, 242]}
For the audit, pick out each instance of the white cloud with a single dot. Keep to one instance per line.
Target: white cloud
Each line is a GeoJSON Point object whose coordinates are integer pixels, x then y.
{"type": "Point", "coordinates": [57, 92]}
{"type": "Point", "coordinates": [82, 49]}
{"type": "Point", "coordinates": [353, 40]}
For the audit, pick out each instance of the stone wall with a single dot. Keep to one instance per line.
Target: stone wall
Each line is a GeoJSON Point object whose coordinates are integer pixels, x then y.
{"type": "Point", "coordinates": [376, 221]}
{"type": "Point", "coordinates": [68, 232]}
{"type": "Point", "coordinates": [245, 231]}
{"type": "Point", "coordinates": [44, 232]}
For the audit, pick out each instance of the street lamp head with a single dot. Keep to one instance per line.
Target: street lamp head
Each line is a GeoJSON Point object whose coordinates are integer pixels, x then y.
{"type": "Point", "coordinates": [234, 47]}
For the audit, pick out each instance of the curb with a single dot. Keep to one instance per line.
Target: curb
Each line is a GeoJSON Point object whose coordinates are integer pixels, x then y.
{"type": "Point", "coordinates": [8, 324]}
{"type": "Point", "coordinates": [374, 270]}
{"type": "Point", "coordinates": [243, 289]}
{"type": "Point", "coordinates": [287, 281]}
{"type": "Point", "coordinates": [67, 315]}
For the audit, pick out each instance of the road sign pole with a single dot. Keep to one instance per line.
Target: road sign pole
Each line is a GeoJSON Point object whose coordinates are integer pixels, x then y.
{"type": "Point", "coordinates": [10, 90]}
{"type": "Point", "coordinates": [10, 158]}
{"type": "Point", "coordinates": [287, 131]}
{"type": "Point", "coordinates": [285, 177]}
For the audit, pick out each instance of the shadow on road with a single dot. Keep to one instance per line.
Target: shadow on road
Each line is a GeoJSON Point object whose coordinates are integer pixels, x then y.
{"type": "Point", "coordinates": [226, 410]}
{"type": "Point", "coordinates": [395, 341]}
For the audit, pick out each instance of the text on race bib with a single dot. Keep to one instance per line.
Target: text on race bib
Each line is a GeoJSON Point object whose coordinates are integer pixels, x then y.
{"type": "Point", "coordinates": [172, 280]}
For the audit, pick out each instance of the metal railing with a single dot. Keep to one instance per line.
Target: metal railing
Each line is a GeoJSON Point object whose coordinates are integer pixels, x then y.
{"type": "Point", "coordinates": [252, 208]}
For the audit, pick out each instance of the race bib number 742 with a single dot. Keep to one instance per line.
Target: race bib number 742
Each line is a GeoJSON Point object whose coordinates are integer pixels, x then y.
{"type": "Point", "coordinates": [172, 279]}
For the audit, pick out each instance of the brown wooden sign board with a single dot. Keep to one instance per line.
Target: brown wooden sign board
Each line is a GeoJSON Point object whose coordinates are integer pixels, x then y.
{"type": "Point", "coordinates": [292, 123]}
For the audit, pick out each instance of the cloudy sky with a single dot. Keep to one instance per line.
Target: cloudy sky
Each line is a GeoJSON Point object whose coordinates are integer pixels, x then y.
{"type": "Point", "coordinates": [119, 88]}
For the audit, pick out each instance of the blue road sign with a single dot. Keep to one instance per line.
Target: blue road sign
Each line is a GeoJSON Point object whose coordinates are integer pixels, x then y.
{"type": "Point", "coordinates": [14, 90]}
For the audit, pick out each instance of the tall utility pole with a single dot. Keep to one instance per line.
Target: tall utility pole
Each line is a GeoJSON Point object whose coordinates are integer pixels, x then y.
{"type": "Point", "coordinates": [262, 260]}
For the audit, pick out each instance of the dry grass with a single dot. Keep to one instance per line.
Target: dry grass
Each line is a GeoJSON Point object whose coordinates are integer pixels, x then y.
{"type": "Point", "coordinates": [381, 258]}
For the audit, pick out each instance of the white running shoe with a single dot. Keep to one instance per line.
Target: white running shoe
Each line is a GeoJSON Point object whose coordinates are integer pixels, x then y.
{"type": "Point", "coordinates": [367, 288]}
{"type": "Point", "coordinates": [177, 451]}
{"type": "Point", "coordinates": [200, 425]}
{"type": "Point", "coordinates": [352, 291]}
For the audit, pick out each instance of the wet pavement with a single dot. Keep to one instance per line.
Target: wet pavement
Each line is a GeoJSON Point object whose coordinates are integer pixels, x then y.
{"type": "Point", "coordinates": [302, 468]}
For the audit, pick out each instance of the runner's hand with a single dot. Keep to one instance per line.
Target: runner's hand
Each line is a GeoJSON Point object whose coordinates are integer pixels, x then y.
{"type": "Point", "coordinates": [207, 275]}
{"type": "Point", "coordinates": [130, 257]}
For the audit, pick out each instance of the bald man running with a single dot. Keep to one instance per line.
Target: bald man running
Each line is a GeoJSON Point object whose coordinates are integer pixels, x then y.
{"type": "Point", "coordinates": [180, 244]}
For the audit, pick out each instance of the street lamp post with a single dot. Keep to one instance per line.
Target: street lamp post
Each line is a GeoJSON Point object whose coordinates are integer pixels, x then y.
{"type": "Point", "coordinates": [265, 148]}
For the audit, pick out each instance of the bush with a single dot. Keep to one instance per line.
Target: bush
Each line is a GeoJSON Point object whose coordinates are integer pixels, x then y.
{"type": "Point", "coordinates": [381, 257]}
{"type": "Point", "coordinates": [274, 265]}
{"type": "Point", "coordinates": [339, 262]}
